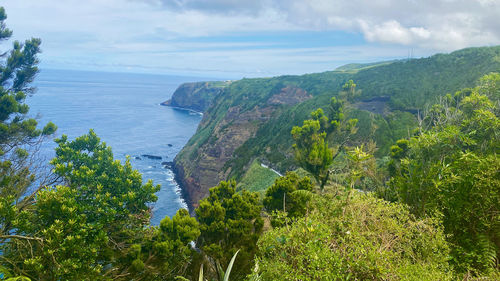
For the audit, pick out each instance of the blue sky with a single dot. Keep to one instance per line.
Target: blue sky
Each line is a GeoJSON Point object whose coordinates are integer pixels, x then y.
{"type": "Point", "coordinates": [234, 39]}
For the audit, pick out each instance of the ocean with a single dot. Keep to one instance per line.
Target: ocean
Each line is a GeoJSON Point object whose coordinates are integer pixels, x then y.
{"type": "Point", "coordinates": [124, 110]}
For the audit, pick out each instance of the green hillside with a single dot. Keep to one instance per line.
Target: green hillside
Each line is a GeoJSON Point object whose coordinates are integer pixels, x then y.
{"type": "Point", "coordinates": [245, 123]}
{"type": "Point", "coordinates": [408, 85]}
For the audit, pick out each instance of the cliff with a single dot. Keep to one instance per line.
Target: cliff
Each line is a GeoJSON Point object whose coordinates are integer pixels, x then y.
{"type": "Point", "coordinates": [250, 120]}
{"type": "Point", "coordinates": [197, 96]}
{"type": "Point", "coordinates": [201, 163]}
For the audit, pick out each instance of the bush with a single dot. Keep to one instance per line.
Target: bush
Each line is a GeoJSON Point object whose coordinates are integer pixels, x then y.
{"type": "Point", "coordinates": [286, 188]}
{"type": "Point", "coordinates": [369, 239]}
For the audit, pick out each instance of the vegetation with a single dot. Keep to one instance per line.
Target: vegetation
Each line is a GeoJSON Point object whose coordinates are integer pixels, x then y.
{"type": "Point", "coordinates": [312, 151]}
{"type": "Point", "coordinates": [95, 224]}
{"type": "Point", "coordinates": [289, 194]}
{"type": "Point", "coordinates": [447, 174]}
{"type": "Point", "coordinates": [19, 137]}
{"type": "Point", "coordinates": [370, 240]}
{"type": "Point", "coordinates": [434, 217]}
{"type": "Point", "coordinates": [257, 178]}
{"type": "Point", "coordinates": [164, 252]}
{"type": "Point", "coordinates": [225, 274]}
{"type": "Point", "coordinates": [229, 222]}
{"type": "Point", "coordinates": [451, 167]}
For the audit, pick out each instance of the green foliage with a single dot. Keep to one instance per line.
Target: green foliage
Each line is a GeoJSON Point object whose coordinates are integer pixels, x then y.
{"type": "Point", "coordinates": [225, 274]}
{"type": "Point", "coordinates": [451, 167]}
{"type": "Point", "coordinates": [230, 267]}
{"type": "Point", "coordinates": [71, 241]}
{"type": "Point", "coordinates": [349, 91]}
{"type": "Point", "coordinates": [229, 221]}
{"type": "Point", "coordinates": [312, 151]}
{"type": "Point", "coordinates": [18, 67]}
{"type": "Point", "coordinates": [111, 194]}
{"type": "Point", "coordinates": [283, 195]}
{"type": "Point", "coordinates": [19, 138]}
{"type": "Point", "coordinates": [360, 165]}
{"type": "Point", "coordinates": [358, 66]}
{"type": "Point", "coordinates": [5, 273]}
{"type": "Point", "coordinates": [165, 251]}
{"type": "Point", "coordinates": [88, 165]}
{"type": "Point", "coordinates": [94, 225]}
{"type": "Point", "coordinates": [368, 239]}
{"type": "Point", "coordinates": [82, 230]}
{"type": "Point", "coordinates": [311, 148]}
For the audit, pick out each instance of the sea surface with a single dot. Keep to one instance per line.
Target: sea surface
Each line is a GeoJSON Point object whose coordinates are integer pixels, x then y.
{"type": "Point", "coordinates": [124, 110]}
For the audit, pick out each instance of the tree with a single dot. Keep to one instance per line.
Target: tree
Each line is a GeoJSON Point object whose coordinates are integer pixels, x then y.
{"type": "Point", "coordinates": [451, 167]}
{"type": "Point", "coordinates": [349, 91]}
{"type": "Point", "coordinates": [312, 151]}
{"type": "Point", "coordinates": [19, 138]}
{"type": "Point", "coordinates": [229, 222]}
{"type": "Point", "coordinates": [18, 133]}
{"type": "Point", "coordinates": [283, 195]}
{"type": "Point", "coordinates": [82, 230]}
{"type": "Point", "coordinates": [17, 70]}
{"type": "Point", "coordinates": [165, 252]}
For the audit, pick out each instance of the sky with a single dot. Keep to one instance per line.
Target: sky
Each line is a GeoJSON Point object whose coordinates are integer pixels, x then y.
{"type": "Point", "coordinates": [246, 38]}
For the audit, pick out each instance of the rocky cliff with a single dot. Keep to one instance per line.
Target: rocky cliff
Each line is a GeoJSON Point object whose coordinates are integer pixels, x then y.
{"type": "Point", "coordinates": [202, 162]}
{"type": "Point", "coordinates": [197, 96]}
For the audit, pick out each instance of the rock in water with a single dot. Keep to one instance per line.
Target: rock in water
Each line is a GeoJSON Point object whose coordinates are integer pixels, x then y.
{"type": "Point", "coordinates": [153, 157]}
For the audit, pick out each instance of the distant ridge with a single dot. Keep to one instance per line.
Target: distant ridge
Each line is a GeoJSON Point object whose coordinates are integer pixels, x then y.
{"type": "Point", "coordinates": [360, 66]}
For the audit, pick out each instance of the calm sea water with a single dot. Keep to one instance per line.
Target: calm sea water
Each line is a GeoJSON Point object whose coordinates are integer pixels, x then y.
{"type": "Point", "coordinates": [124, 111]}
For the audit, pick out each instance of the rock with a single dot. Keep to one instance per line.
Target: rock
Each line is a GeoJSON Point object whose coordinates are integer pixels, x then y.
{"type": "Point", "coordinates": [152, 157]}
{"type": "Point", "coordinates": [170, 145]}
{"type": "Point", "coordinates": [167, 164]}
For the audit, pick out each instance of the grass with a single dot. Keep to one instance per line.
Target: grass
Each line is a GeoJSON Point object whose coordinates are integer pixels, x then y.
{"type": "Point", "coordinates": [257, 178]}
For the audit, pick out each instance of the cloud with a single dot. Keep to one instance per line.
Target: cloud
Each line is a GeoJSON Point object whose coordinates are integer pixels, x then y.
{"type": "Point", "coordinates": [438, 24]}
{"type": "Point", "coordinates": [215, 6]}
{"type": "Point", "coordinates": [442, 25]}
{"type": "Point", "coordinates": [393, 32]}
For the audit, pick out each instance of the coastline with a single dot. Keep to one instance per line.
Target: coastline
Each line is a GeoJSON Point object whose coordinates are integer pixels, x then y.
{"type": "Point", "coordinates": [179, 179]}
{"type": "Point", "coordinates": [178, 174]}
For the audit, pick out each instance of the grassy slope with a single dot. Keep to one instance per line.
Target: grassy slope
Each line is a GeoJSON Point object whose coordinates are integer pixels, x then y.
{"type": "Point", "coordinates": [257, 178]}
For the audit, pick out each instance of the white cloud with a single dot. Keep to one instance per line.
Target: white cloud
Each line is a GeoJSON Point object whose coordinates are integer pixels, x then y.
{"type": "Point", "coordinates": [425, 23]}
{"type": "Point", "coordinates": [393, 32]}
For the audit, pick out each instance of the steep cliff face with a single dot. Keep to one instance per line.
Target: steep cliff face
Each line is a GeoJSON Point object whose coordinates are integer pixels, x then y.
{"type": "Point", "coordinates": [196, 96]}
{"type": "Point", "coordinates": [251, 119]}
{"type": "Point", "coordinates": [202, 162]}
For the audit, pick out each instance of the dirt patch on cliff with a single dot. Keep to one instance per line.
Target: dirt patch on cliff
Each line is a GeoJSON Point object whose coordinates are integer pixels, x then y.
{"type": "Point", "coordinates": [377, 105]}
{"type": "Point", "coordinates": [289, 95]}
